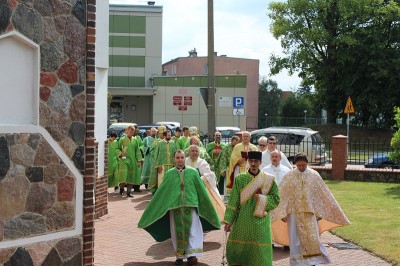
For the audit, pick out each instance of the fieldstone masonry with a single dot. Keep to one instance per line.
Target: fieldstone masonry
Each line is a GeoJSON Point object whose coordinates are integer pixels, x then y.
{"type": "Point", "coordinates": [37, 193]}
{"type": "Point", "coordinates": [37, 190]}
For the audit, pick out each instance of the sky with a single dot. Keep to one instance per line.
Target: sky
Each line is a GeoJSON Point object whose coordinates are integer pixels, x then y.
{"type": "Point", "coordinates": [241, 30]}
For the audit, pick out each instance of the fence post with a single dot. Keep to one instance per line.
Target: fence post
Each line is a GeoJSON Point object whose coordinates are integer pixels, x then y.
{"type": "Point", "coordinates": [339, 156]}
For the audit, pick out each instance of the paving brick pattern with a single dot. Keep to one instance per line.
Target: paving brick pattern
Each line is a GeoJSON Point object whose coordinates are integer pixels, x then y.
{"type": "Point", "coordinates": [119, 242]}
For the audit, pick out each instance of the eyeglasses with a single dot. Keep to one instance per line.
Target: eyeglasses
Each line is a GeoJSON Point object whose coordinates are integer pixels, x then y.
{"type": "Point", "coordinates": [262, 145]}
{"type": "Point", "coordinates": [273, 143]}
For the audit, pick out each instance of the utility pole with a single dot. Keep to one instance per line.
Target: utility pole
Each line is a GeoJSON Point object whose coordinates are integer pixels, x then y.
{"type": "Point", "coordinates": [211, 83]}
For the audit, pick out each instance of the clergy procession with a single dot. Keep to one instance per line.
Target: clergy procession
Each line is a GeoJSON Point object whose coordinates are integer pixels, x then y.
{"type": "Point", "coordinates": [252, 192]}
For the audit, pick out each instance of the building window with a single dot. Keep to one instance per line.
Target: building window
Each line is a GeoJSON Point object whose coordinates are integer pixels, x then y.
{"type": "Point", "coordinates": [206, 69]}
{"type": "Point", "coordinates": [173, 71]}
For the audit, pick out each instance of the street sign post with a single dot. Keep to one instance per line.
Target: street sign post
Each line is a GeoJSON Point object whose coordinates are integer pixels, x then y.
{"type": "Point", "coordinates": [348, 109]}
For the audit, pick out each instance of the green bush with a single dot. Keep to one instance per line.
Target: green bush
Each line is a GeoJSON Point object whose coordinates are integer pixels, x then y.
{"type": "Point", "coordinates": [395, 142]}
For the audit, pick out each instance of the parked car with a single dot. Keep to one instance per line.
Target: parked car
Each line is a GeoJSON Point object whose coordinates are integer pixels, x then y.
{"type": "Point", "coordinates": [380, 160]}
{"type": "Point", "coordinates": [292, 140]}
{"type": "Point", "coordinates": [227, 133]}
{"type": "Point", "coordinates": [119, 128]}
{"type": "Point", "coordinates": [143, 129]}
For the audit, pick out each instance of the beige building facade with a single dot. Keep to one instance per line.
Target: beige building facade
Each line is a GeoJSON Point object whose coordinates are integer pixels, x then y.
{"type": "Point", "coordinates": [224, 65]}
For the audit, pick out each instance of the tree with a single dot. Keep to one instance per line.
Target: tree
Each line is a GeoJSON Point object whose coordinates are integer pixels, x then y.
{"type": "Point", "coordinates": [294, 106]}
{"type": "Point", "coordinates": [342, 48]}
{"type": "Point", "coordinates": [269, 101]}
{"type": "Point", "coordinates": [395, 142]}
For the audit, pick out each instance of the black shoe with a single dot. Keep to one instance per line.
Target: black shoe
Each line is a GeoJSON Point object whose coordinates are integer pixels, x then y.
{"type": "Point", "coordinates": [115, 189]}
{"type": "Point", "coordinates": [286, 248]}
{"type": "Point", "coordinates": [129, 195]}
{"type": "Point", "coordinates": [192, 261]}
{"type": "Point", "coordinates": [179, 262]}
{"type": "Point", "coordinates": [121, 191]}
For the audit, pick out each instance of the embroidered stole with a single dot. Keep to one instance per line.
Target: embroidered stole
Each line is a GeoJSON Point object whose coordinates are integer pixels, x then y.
{"type": "Point", "coordinates": [259, 186]}
{"type": "Point", "coordinates": [183, 221]}
{"type": "Point", "coordinates": [307, 228]}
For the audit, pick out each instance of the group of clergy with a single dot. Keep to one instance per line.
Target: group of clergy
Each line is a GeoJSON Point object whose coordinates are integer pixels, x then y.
{"type": "Point", "coordinates": [266, 197]}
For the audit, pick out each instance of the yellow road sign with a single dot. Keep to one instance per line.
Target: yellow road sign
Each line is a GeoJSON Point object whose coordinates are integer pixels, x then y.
{"type": "Point", "coordinates": [349, 109]}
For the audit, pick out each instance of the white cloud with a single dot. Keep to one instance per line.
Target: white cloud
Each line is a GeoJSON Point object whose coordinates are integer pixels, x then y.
{"type": "Point", "coordinates": [241, 29]}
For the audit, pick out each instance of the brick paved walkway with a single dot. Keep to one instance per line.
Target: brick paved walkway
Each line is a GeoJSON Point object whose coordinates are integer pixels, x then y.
{"type": "Point", "coordinates": [119, 242]}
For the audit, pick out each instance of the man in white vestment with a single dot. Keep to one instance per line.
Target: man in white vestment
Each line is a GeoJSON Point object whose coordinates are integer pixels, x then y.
{"type": "Point", "coordinates": [276, 168]}
{"type": "Point", "coordinates": [272, 143]}
{"type": "Point", "coordinates": [202, 166]}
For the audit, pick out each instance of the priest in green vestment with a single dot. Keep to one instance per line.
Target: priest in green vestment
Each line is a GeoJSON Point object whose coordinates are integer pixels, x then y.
{"type": "Point", "coordinates": [181, 210]}
{"type": "Point", "coordinates": [129, 153]}
{"type": "Point", "coordinates": [148, 156]}
{"type": "Point", "coordinates": [214, 148]}
{"type": "Point", "coordinates": [153, 170]}
{"type": "Point", "coordinates": [138, 172]}
{"type": "Point", "coordinates": [254, 194]}
{"type": "Point", "coordinates": [163, 159]}
{"type": "Point", "coordinates": [181, 141]}
{"type": "Point", "coordinates": [112, 161]}
{"type": "Point", "coordinates": [221, 167]}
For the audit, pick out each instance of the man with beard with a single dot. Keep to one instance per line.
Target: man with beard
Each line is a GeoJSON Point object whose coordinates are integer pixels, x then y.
{"type": "Point", "coordinates": [148, 156]}
{"type": "Point", "coordinates": [164, 156]}
{"type": "Point", "coordinates": [183, 206]}
{"type": "Point", "coordinates": [254, 194]}
{"type": "Point", "coordinates": [238, 161]}
{"type": "Point", "coordinates": [129, 153]}
{"type": "Point", "coordinates": [214, 148]}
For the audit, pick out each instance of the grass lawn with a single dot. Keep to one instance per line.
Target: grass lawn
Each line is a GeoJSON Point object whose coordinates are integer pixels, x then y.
{"type": "Point", "coordinates": [374, 212]}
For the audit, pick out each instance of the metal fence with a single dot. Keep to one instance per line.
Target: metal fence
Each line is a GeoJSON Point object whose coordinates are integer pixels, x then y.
{"type": "Point", "coordinates": [370, 154]}
{"type": "Point", "coordinates": [293, 121]}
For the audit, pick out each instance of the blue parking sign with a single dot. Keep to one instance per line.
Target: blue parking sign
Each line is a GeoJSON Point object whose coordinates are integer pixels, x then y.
{"type": "Point", "coordinates": [238, 102]}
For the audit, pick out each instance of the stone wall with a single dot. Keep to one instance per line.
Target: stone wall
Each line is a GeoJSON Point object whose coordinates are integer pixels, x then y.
{"type": "Point", "coordinates": [101, 195]}
{"type": "Point", "coordinates": [362, 174]}
{"type": "Point", "coordinates": [38, 192]}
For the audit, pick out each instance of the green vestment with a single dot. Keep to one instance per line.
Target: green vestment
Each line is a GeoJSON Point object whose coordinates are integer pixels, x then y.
{"type": "Point", "coordinates": [128, 166]}
{"type": "Point", "coordinates": [148, 158]}
{"type": "Point", "coordinates": [222, 162]}
{"type": "Point", "coordinates": [173, 195]}
{"type": "Point", "coordinates": [181, 142]}
{"type": "Point", "coordinates": [214, 146]}
{"type": "Point", "coordinates": [139, 169]}
{"type": "Point", "coordinates": [163, 156]}
{"type": "Point", "coordinates": [250, 240]}
{"type": "Point", "coordinates": [112, 163]}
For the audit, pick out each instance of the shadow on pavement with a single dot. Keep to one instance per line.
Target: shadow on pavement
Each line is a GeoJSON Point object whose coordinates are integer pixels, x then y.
{"type": "Point", "coordinates": [112, 197]}
{"type": "Point", "coordinates": [142, 197]}
{"type": "Point", "coordinates": [166, 247]}
{"type": "Point", "coordinates": [159, 263]}
{"type": "Point", "coordinates": [141, 206]}
{"type": "Point", "coordinates": [208, 246]}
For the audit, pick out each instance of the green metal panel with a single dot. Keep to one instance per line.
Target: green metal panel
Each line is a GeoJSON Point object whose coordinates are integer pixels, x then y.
{"type": "Point", "coordinates": [191, 81]}
{"type": "Point", "coordinates": [174, 82]}
{"type": "Point", "coordinates": [202, 81]}
{"type": "Point", "coordinates": [120, 24]}
{"type": "Point", "coordinates": [119, 81]}
{"type": "Point", "coordinates": [136, 82]}
{"type": "Point", "coordinates": [225, 81]}
{"type": "Point", "coordinates": [159, 81]}
{"type": "Point", "coordinates": [137, 61]}
{"type": "Point", "coordinates": [123, 81]}
{"type": "Point", "coordinates": [137, 24]}
{"type": "Point", "coordinates": [126, 61]}
{"type": "Point", "coordinates": [241, 81]}
{"type": "Point", "coordinates": [129, 42]}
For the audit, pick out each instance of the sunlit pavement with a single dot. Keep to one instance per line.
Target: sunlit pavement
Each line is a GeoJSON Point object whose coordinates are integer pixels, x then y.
{"type": "Point", "coordinates": [118, 241]}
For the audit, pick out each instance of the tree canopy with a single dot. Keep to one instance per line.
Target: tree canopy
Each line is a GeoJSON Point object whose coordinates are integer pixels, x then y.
{"type": "Point", "coordinates": [342, 48]}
